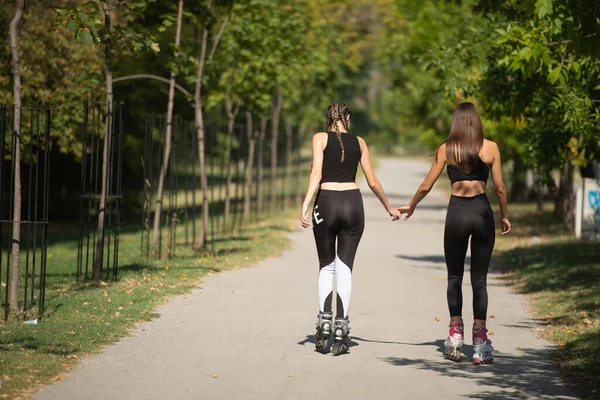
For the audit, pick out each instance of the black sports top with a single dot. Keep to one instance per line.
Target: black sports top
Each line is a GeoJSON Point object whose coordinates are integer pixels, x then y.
{"type": "Point", "coordinates": [480, 173]}
{"type": "Point", "coordinates": [333, 169]}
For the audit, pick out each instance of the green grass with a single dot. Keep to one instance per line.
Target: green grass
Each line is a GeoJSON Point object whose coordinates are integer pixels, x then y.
{"type": "Point", "coordinates": [562, 276]}
{"type": "Point", "coordinates": [81, 319]}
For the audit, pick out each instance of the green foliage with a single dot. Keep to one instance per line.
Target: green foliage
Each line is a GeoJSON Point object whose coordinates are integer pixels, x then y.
{"type": "Point", "coordinates": [55, 70]}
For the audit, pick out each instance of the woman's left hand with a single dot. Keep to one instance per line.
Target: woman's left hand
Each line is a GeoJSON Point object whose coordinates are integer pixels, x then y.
{"type": "Point", "coordinates": [408, 210]}
{"type": "Point", "coordinates": [304, 218]}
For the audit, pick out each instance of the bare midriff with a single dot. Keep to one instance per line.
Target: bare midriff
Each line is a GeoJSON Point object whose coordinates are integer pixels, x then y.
{"type": "Point", "coordinates": [339, 186]}
{"type": "Point", "coordinates": [468, 188]}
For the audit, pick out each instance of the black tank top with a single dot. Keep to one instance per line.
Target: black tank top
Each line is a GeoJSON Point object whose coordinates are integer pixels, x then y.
{"type": "Point", "coordinates": [480, 173]}
{"type": "Point", "coordinates": [333, 169]}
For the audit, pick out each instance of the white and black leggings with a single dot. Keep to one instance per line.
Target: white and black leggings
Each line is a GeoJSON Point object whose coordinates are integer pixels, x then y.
{"type": "Point", "coordinates": [337, 215]}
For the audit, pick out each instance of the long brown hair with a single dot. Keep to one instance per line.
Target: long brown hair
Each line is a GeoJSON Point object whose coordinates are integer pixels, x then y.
{"type": "Point", "coordinates": [338, 112]}
{"type": "Point", "coordinates": [465, 139]}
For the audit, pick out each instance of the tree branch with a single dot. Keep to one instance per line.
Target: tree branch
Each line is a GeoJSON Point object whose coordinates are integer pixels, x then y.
{"type": "Point", "coordinates": [150, 76]}
{"type": "Point", "coordinates": [570, 41]}
{"type": "Point", "coordinates": [218, 38]}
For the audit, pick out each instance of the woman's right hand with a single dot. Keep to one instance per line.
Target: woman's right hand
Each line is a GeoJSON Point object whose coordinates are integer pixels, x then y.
{"type": "Point", "coordinates": [505, 225]}
{"type": "Point", "coordinates": [304, 218]}
{"type": "Point", "coordinates": [394, 213]}
{"type": "Point", "coordinates": [407, 210]}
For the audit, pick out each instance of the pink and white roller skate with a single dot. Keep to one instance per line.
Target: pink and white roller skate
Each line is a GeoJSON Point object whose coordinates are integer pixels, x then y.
{"type": "Point", "coordinates": [482, 346]}
{"type": "Point", "coordinates": [455, 341]}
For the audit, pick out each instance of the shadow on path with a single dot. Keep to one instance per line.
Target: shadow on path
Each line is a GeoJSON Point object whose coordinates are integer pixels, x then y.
{"type": "Point", "coordinates": [520, 376]}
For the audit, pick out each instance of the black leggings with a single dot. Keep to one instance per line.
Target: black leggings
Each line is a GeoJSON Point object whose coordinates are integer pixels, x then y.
{"type": "Point", "coordinates": [337, 215]}
{"type": "Point", "coordinates": [469, 217]}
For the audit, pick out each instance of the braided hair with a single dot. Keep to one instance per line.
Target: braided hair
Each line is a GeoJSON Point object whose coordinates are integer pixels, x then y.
{"type": "Point", "coordinates": [338, 112]}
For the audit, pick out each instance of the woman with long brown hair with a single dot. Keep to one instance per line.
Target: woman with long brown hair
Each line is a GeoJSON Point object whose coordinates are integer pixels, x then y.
{"type": "Point", "coordinates": [470, 158]}
{"type": "Point", "coordinates": [338, 216]}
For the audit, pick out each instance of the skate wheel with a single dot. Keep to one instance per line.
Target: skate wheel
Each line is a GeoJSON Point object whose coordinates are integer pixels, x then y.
{"type": "Point", "coordinates": [452, 355]}
{"type": "Point", "coordinates": [321, 346]}
{"type": "Point", "coordinates": [339, 348]}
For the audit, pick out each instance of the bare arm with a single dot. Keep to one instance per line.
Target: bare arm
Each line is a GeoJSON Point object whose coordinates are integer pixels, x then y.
{"type": "Point", "coordinates": [500, 188]}
{"type": "Point", "coordinates": [372, 181]}
{"type": "Point", "coordinates": [319, 142]}
{"type": "Point", "coordinates": [434, 173]}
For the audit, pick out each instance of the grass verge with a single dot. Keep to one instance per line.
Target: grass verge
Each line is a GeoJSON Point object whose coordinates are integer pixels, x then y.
{"type": "Point", "coordinates": [562, 277]}
{"type": "Point", "coordinates": [82, 319]}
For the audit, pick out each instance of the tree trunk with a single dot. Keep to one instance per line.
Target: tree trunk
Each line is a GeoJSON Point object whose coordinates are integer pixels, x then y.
{"type": "Point", "coordinates": [260, 166]}
{"type": "Point", "coordinates": [199, 118]}
{"type": "Point", "coordinates": [16, 233]}
{"type": "Point", "coordinates": [288, 162]}
{"type": "Point", "coordinates": [301, 132]}
{"type": "Point", "coordinates": [274, 136]}
{"type": "Point", "coordinates": [252, 136]}
{"type": "Point", "coordinates": [97, 268]}
{"type": "Point", "coordinates": [519, 190]}
{"type": "Point", "coordinates": [231, 114]}
{"type": "Point", "coordinates": [168, 134]}
{"type": "Point", "coordinates": [539, 194]}
{"type": "Point", "coordinates": [564, 206]}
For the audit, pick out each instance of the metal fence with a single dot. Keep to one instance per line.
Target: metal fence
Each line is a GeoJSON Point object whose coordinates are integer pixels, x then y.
{"type": "Point", "coordinates": [33, 139]}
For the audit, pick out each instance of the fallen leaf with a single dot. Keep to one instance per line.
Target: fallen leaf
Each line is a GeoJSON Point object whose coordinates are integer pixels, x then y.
{"type": "Point", "coordinates": [492, 316]}
{"type": "Point", "coordinates": [437, 319]}
{"type": "Point", "coordinates": [596, 322]}
{"type": "Point", "coordinates": [233, 291]}
{"type": "Point", "coordinates": [517, 391]}
{"type": "Point", "coordinates": [117, 314]}
{"type": "Point", "coordinates": [587, 321]}
{"type": "Point", "coordinates": [291, 375]}
{"type": "Point", "coordinates": [215, 376]}
{"type": "Point", "coordinates": [6, 378]}
{"type": "Point", "coordinates": [72, 356]}
{"type": "Point", "coordinates": [490, 333]}
{"type": "Point", "coordinates": [518, 347]}
{"type": "Point", "coordinates": [120, 307]}
{"type": "Point", "coordinates": [66, 365]}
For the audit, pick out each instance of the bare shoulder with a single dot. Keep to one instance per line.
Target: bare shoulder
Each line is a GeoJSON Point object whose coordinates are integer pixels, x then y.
{"type": "Point", "coordinates": [361, 141]}
{"type": "Point", "coordinates": [441, 153]}
{"type": "Point", "coordinates": [489, 145]}
{"type": "Point", "coordinates": [489, 151]}
{"type": "Point", "coordinates": [320, 137]}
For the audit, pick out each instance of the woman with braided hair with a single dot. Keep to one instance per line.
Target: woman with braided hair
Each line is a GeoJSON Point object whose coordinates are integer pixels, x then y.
{"type": "Point", "coordinates": [338, 215]}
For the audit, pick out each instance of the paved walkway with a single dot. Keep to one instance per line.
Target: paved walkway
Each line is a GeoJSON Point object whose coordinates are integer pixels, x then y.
{"type": "Point", "coordinates": [247, 334]}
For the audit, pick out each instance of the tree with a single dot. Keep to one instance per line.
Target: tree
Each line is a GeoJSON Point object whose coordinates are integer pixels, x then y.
{"type": "Point", "coordinates": [168, 133]}
{"type": "Point", "coordinates": [198, 114]}
{"type": "Point", "coordinates": [108, 121]}
{"type": "Point", "coordinates": [86, 27]}
{"type": "Point", "coordinates": [276, 112]}
{"type": "Point", "coordinates": [16, 234]}
{"type": "Point", "coordinates": [553, 46]}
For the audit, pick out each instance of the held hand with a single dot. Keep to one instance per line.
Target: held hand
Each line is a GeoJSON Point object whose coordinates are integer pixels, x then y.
{"type": "Point", "coordinates": [505, 223]}
{"type": "Point", "coordinates": [407, 211]}
{"type": "Point", "coordinates": [394, 213]}
{"type": "Point", "coordinates": [304, 218]}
